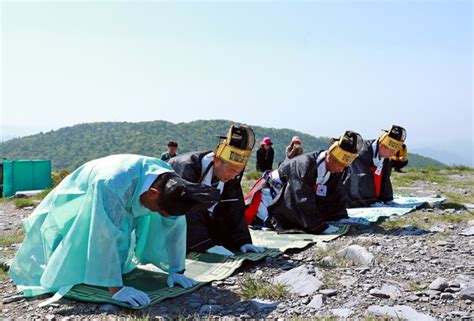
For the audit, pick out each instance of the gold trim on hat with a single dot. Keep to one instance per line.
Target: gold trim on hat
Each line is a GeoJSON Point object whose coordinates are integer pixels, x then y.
{"type": "Point", "coordinates": [342, 155]}
{"type": "Point", "coordinates": [390, 143]}
{"type": "Point", "coordinates": [233, 155]}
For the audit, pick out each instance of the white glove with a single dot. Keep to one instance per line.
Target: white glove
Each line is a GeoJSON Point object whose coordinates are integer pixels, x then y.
{"type": "Point", "coordinates": [184, 281]}
{"type": "Point", "coordinates": [251, 248]}
{"type": "Point", "coordinates": [132, 296]}
{"type": "Point", "coordinates": [218, 249]}
{"type": "Point", "coordinates": [331, 229]}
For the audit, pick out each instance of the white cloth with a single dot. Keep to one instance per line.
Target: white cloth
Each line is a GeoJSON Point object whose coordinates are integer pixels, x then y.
{"type": "Point", "coordinates": [262, 212]}
{"type": "Point", "coordinates": [207, 180]}
{"type": "Point", "coordinates": [323, 173]}
{"type": "Point", "coordinates": [275, 175]}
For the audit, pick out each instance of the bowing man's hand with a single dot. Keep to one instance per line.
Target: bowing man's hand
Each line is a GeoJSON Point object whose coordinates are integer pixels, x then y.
{"type": "Point", "coordinates": [184, 281]}
{"type": "Point", "coordinates": [132, 296]}
{"type": "Point", "coordinates": [252, 248]}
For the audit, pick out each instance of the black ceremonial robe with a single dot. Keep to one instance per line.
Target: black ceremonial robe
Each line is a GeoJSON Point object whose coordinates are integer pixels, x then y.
{"type": "Point", "coordinates": [226, 226]}
{"type": "Point", "coordinates": [297, 206]}
{"type": "Point", "coordinates": [360, 182]}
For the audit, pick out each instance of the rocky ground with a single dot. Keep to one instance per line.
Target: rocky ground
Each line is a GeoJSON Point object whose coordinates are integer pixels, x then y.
{"type": "Point", "coordinates": [416, 267]}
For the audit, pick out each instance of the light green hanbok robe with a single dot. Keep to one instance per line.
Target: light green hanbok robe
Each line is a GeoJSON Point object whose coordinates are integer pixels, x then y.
{"type": "Point", "coordinates": [92, 228]}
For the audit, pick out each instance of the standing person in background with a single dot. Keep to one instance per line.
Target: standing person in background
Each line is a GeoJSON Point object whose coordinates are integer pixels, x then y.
{"type": "Point", "coordinates": [294, 149]}
{"type": "Point", "coordinates": [400, 159]}
{"type": "Point", "coordinates": [172, 147]}
{"type": "Point", "coordinates": [265, 155]}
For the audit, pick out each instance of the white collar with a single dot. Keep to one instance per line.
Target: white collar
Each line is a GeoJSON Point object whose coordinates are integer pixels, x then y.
{"type": "Point", "coordinates": [207, 180]}
{"type": "Point", "coordinates": [378, 161]}
{"type": "Point", "coordinates": [323, 173]}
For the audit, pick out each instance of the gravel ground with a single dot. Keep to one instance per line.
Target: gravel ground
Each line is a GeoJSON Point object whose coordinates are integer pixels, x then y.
{"type": "Point", "coordinates": [412, 272]}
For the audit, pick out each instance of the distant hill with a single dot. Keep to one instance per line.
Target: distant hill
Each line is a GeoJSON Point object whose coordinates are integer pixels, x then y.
{"type": "Point", "coordinates": [450, 155]}
{"type": "Point", "coordinates": [69, 147]}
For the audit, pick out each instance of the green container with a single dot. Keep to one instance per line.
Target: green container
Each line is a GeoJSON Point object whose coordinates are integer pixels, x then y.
{"type": "Point", "coordinates": [25, 175]}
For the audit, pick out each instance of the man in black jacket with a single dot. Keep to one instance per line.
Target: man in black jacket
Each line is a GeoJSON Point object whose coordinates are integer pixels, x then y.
{"type": "Point", "coordinates": [368, 177]}
{"type": "Point", "coordinates": [221, 228]}
{"type": "Point", "coordinates": [306, 191]}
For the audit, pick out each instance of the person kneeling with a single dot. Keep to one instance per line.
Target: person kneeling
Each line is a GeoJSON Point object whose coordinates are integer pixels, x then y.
{"type": "Point", "coordinates": [305, 192]}
{"type": "Point", "coordinates": [103, 217]}
{"type": "Point", "coordinates": [220, 229]}
{"type": "Point", "coordinates": [368, 177]}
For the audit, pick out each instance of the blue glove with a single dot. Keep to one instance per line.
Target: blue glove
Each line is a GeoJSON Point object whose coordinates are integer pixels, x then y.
{"type": "Point", "coordinates": [184, 281]}
{"type": "Point", "coordinates": [132, 296]}
{"type": "Point", "coordinates": [251, 248]}
{"type": "Point", "coordinates": [219, 249]}
{"type": "Point", "coordinates": [378, 204]}
{"type": "Point", "coordinates": [331, 229]}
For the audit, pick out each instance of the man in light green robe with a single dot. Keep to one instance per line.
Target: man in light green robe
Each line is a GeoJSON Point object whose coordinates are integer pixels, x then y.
{"type": "Point", "coordinates": [102, 219]}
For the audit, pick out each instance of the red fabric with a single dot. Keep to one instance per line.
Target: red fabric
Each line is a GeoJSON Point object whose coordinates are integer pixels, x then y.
{"type": "Point", "coordinates": [252, 209]}
{"type": "Point", "coordinates": [377, 181]}
{"type": "Point", "coordinates": [255, 188]}
{"type": "Point", "coordinates": [252, 200]}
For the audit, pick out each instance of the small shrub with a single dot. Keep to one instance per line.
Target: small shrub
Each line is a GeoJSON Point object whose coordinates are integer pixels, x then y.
{"type": "Point", "coordinates": [400, 222]}
{"type": "Point", "coordinates": [455, 218]}
{"type": "Point", "coordinates": [439, 236]}
{"type": "Point", "coordinates": [415, 286]}
{"type": "Point", "coordinates": [333, 251]}
{"type": "Point", "coordinates": [457, 200]}
{"type": "Point", "coordinates": [251, 287]}
{"type": "Point", "coordinates": [3, 275]}
{"type": "Point", "coordinates": [24, 202]}
{"type": "Point", "coordinates": [57, 177]}
{"type": "Point", "coordinates": [43, 194]}
{"type": "Point", "coordinates": [12, 237]}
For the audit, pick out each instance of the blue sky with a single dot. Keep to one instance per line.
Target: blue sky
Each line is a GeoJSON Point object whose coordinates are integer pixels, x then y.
{"type": "Point", "coordinates": [320, 67]}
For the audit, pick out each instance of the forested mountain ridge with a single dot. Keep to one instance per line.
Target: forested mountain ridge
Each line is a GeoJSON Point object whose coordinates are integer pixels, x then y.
{"type": "Point", "coordinates": [69, 147]}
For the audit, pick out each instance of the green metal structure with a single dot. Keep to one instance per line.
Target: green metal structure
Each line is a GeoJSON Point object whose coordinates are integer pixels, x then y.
{"type": "Point", "coordinates": [25, 175]}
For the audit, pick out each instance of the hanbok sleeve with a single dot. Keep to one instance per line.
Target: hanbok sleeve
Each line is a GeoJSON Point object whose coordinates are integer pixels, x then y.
{"type": "Point", "coordinates": [162, 241]}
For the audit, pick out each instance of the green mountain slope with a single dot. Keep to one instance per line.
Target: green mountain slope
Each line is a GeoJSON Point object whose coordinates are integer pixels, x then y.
{"type": "Point", "coordinates": [70, 147]}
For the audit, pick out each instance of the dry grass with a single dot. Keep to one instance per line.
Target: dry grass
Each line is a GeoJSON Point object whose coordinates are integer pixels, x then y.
{"type": "Point", "coordinates": [254, 287]}
{"type": "Point", "coordinates": [415, 286]}
{"type": "Point", "coordinates": [426, 220]}
{"type": "Point", "coordinates": [24, 202]}
{"type": "Point", "coordinates": [332, 250]}
{"type": "Point", "coordinates": [12, 237]}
